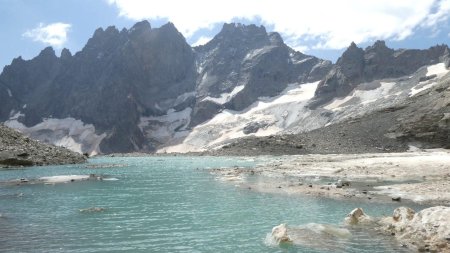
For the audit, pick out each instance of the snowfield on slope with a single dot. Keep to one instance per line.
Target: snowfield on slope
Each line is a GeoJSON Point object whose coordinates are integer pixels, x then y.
{"type": "Point", "coordinates": [288, 112]}
{"type": "Point", "coordinates": [69, 133]}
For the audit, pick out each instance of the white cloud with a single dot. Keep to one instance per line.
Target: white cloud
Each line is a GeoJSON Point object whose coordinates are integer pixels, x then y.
{"type": "Point", "coordinates": [330, 24]}
{"type": "Point", "coordinates": [54, 34]}
{"type": "Point", "coordinates": [201, 41]}
{"type": "Point", "coordinates": [441, 14]}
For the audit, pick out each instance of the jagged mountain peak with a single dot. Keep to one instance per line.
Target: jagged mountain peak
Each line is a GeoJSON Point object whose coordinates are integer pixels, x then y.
{"type": "Point", "coordinates": [379, 47]}
{"type": "Point", "coordinates": [170, 32]}
{"type": "Point", "coordinates": [376, 62]}
{"type": "Point", "coordinates": [143, 25]}
{"type": "Point", "coordinates": [233, 28]}
{"type": "Point", "coordinates": [111, 30]}
{"type": "Point", "coordinates": [379, 44]}
{"type": "Point", "coordinates": [352, 55]}
{"type": "Point", "coordinates": [239, 34]}
{"type": "Point", "coordinates": [275, 38]}
{"type": "Point", "coordinates": [66, 54]}
{"type": "Point", "coordinates": [47, 52]}
{"type": "Point", "coordinates": [101, 34]}
{"type": "Point", "coordinates": [131, 83]}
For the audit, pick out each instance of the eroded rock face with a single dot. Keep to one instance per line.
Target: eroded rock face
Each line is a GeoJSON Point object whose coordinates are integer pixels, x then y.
{"type": "Point", "coordinates": [427, 230]}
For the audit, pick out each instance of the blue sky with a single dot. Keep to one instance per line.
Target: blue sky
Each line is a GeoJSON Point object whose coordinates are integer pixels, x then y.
{"type": "Point", "coordinates": [321, 27]}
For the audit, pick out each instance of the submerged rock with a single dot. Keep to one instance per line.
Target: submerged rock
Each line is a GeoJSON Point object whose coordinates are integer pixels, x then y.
{"type": "Point", "coordinates": [312, 235]}
{"type": "Point", "coordinates": [92, 210]}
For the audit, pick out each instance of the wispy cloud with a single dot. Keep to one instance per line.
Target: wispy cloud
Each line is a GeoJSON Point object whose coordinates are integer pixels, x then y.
{"type": "Point", "coordinates": [201, 41]}
{"type": "Point", "coordinates": [330, 24]}
{"type": "Point", "coordinates": [54, 34]}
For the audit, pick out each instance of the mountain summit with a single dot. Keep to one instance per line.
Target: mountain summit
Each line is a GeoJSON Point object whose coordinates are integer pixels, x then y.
{"type": "Point", "coordinates": [144, 88]}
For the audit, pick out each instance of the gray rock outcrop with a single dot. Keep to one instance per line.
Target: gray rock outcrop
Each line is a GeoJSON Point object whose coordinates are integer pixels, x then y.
{"type": "Point", "coordinates": [376, 62]}
{"type": "Point", "coordinates": [18, 150]}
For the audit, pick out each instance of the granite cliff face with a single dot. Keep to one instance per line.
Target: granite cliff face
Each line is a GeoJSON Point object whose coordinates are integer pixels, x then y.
{"type": "Point", "coordinates": [144, 88]}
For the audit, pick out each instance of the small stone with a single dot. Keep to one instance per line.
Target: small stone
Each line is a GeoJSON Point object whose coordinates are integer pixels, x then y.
{"type": "Point", "coordinates": [396, 198]}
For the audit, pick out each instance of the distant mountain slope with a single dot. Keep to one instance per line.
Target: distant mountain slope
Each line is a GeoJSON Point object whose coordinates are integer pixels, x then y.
{"type": "Point", "coordinates": [120, 79]}
{"type": "Point", "coordinates": [18, 150]}
{"type": "Point", "coordinates": [376, 62]}
{"type": "Point", "coordinates": [146, 89]}
{"type": "Point", "coordinates": [422, 120]}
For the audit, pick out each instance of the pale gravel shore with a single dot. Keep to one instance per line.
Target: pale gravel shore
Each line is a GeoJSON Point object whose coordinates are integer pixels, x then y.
{"type": "Point", "coordinates": [421, 176]}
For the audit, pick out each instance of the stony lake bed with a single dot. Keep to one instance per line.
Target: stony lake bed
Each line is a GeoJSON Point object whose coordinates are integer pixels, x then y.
{"type": "Point", "coordinates": [224, 204]}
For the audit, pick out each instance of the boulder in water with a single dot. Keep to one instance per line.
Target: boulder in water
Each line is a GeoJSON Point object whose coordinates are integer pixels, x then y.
{"type": "Point", "coordinates": [427, 230]}
{"type": "Point", "coordinates": [280, 234]}
{"type": "Point", "coordinates": [357, 216]}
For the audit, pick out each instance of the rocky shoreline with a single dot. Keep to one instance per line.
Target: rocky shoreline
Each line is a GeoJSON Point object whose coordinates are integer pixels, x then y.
{"type": "Point", "coordinates": [410, 177]}
{"type": "Point", "coordinates": [424, 231]}
{"type": "Point", "coordinates": [18, 150]}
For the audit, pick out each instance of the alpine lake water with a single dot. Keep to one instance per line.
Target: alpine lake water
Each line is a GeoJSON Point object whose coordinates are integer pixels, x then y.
{"type": "Point", "coordinates": [167, 204]}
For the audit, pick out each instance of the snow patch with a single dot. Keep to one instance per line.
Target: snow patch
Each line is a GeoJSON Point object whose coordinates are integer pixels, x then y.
{"type": "Point", "coordinates": [301, 61]}
{"type": "Point", "coordinates": [9, 92]}
{"type": "Point", "coordinates": [437, 69]}
{"type": "Point", "coordinates": [289, 112]}
{"type": "Point", "coordinates": [257, 52]}
{"type": "Point", "coordinates": [364, 96]}
{"type": "Point", "coordinates": [168, 127]}
{"type": "Point", "coordinates": [276, 113]}
{"type": "Point", "coordinates": [183, 97]}
{"type": "Point", "coordinates": [225, 97]}
{"type": "Point", "coordinates": [15, 115]}
{"type": "Point", "coordinates": [415, 90]}
{"type": "Point", "coordinates": [69, 133]}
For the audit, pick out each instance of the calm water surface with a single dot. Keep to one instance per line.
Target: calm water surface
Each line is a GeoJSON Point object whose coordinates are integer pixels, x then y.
{"type": "Point", "coordinates": [164, 204]}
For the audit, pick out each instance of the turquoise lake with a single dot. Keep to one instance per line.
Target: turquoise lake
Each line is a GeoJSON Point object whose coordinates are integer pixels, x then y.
{"type": "Point", "coordinates": [165, 204]}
